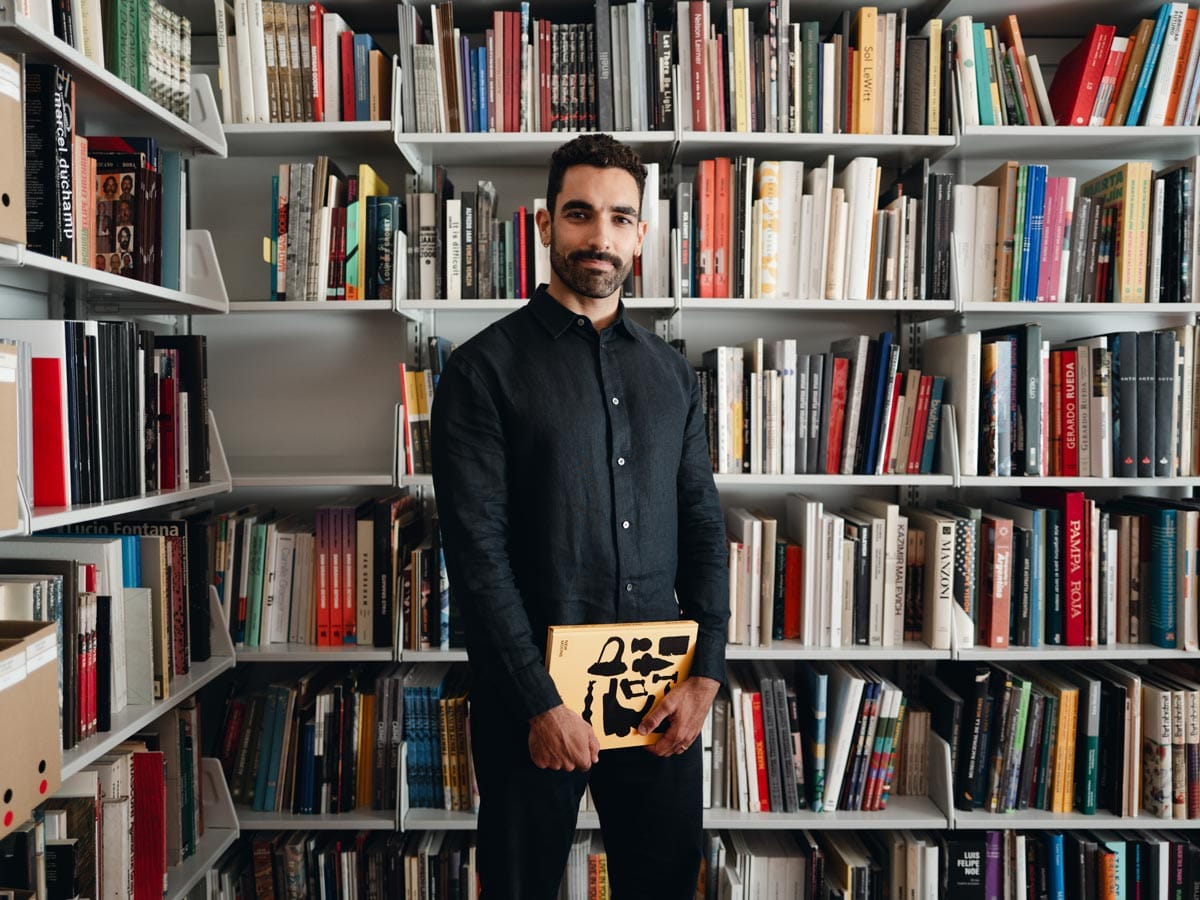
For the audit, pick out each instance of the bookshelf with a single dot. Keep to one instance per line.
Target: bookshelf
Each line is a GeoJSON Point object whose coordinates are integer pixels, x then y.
{"type": "Point", "coordinates": [220, 831]}
{"type": "Point", "coordinates": [322, 338]}
{"type": "Point", "coordinates": [106, 104]}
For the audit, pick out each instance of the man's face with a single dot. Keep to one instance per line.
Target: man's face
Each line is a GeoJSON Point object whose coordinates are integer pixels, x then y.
{"type": "Point", "coordinates": [595, 232]}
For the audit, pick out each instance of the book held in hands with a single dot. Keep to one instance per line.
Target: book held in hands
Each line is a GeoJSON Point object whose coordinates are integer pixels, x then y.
{"type": "Point", "coordinates": [614, 674]}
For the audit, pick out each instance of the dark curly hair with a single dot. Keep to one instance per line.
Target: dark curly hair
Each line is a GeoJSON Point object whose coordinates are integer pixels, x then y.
{"type": "Point", "coordinates": [602, 151]}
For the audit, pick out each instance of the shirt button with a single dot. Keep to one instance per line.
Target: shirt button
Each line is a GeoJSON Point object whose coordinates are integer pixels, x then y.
{"type": "Point", "coordinates": [616, 401]}
{"type": "Point", "coordinates": [620, 460]}
{"type": "Point", "coordinates": [580, 321]}
{"type": "Point", "coordinates": [625, 524]}
{"type": "Point", "coordinates": [628, 587]}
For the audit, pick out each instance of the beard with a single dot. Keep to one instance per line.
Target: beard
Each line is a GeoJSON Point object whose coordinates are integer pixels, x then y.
{"type": "Point", "coordinates": [587, 282]}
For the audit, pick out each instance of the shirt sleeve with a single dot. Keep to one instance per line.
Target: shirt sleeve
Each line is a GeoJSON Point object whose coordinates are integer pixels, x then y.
{"type": "Point", "coordinates": [469, 476]}
{"type": "Point", "coordinates": [702, 582]}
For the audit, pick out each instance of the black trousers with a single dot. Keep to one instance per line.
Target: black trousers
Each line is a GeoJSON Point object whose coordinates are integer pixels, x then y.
{"type": "Point", "coordinates": [650, 816]}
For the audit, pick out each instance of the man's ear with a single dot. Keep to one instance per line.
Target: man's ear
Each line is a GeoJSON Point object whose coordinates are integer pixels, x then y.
{"type": "Point", "coordinates": [641, 229]}
{"type": "Point", "coordinates": [543, 222]}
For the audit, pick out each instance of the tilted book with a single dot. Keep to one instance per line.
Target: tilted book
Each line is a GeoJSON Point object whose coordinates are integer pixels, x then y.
{"type": "Point", "coordinates": [613, 675]}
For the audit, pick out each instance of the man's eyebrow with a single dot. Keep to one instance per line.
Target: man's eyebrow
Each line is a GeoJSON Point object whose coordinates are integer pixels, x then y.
{"type": "Point", "coordinates": [584, 205]}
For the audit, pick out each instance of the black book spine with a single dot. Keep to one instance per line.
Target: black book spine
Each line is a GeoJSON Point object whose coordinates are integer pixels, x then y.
{"type": "Point", "coordinates": [74, 417]}
{"type": "Point", "coordinates": [149, 423]}
{"type": "Point", "coordinates": [1164, 404]}
{"type": "Point", "coordinates": [104, 637]}
{"type": "Point", "coordinates": [1019, 626]}
{"type": "Point", "coordinates": [1096, 219]}
{"type": "Point", "coordinates": [1125, 412]}
{"type": "Point", "coordinates": [1147, 373]}
{"type": "Point", "coordinates": [470, 273]}
{"type": "Point", "coordinates": [916, 80]}
{"type": "Point", "coordinates": [381, 595]}
{"type": "Point", "coordinates": [1169, 252]}
{"type": "Point", "coordinates": [1054, 568]}
{"type": "Point", "coordinates": [371, 249]}
{"type": "Point", "coordinates": [49, 207]}
{"type": "Point", "coordinates": [195, 566]}
{"type": "Point", "coordinates": [862, 588]}
{"type": "Point", "coordinates": [91, 392]}
{"type": "Point", "coordinates": [1033, 738]}
{"type": "Point", "coordinates": [1186, 226]}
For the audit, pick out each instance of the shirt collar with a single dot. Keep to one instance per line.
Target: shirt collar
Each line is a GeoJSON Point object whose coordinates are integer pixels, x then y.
{"type": "Point", "coordinates": [556, 318]}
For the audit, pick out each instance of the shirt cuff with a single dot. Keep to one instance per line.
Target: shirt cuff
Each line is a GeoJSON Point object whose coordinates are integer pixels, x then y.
{"type": "Point", "coordinates": [535, 690]}
{"type": "Point", "coordinates": [709, 659]}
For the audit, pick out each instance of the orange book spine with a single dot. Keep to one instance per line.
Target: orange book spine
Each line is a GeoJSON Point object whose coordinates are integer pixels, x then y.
{"type": "Point", "coordinates": [349, 608]}
{"type": "Point", "coordinates": [1181, 64]}
{"type": "Point", "coordinates": [322, 548]}
{"type": "Point", "coordinates": [722, 216]}
{"type": "Point", "coordinates": [706, 194]}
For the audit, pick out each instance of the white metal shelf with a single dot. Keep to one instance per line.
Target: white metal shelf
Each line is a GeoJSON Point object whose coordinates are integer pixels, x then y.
{"type": "Point", "coordinates": [800, 481]}
{"type": "Point", "coordinates": [984, 307]}
{"type": "Point", "coordinates": [794, 650]}
{"type": "Point", "coordinates": [327, 307]}
{"type": "Point", "coordinates": [133, 719]}
{"type": "Point", "coordinates": [220, 831]}
{"type": "Point", "coordinates": [96, 287]}
{"type": "Point", "coordinates": [1040, 819]}
{"type": "Point", "coordinates": [306, 471]}
{"type": "Point", "coordinates": [104, 104]}
{"type": "Point", "coordinates": [531, 149]}
{"type": "Point", "coordinates": [305, 653]}
{"type": "Point", "coordinates": [358, 820]}
{"type": "Point", "coordinates": [299, 139]}
{"type": "Point", "coordinates": [1068, 142]}
{"type": "Point", "coordinates": [891, 150]}
{"type": "Point", "coordinates": [833, 307]}
{"type": "Point", "coordinates": [1071, 481]}
{"type": "Point", "coordinates": [46, 518]}
{"type": "Point", "coordinates": [1057, 653]}
{"type": "Point", "coordinates": [902, 812]}
{"type": "Point", "coordinates": [453, 656]}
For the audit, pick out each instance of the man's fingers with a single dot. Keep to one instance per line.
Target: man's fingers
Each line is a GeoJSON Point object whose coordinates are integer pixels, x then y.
{"type": "Point", "coordinates": [654, 718]}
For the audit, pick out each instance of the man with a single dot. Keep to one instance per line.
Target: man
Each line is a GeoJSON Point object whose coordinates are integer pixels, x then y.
{"type": "Point", "coordinates": [574, 486]}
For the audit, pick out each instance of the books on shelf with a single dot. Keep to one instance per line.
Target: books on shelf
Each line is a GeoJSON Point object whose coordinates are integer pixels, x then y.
{"type": "Point", "coordinates": [339, 580]}
{"type": "Point", "coordinates": [1119, 404]}
{"type": "Point", "coordinates": [772, 410]}
{"type": "Point", "coordinates": [142, 42]}
{"type": "Point", "coordinates": [285, 61]}
{"type": "Point", "coordinates": [632, 69]}
{"type": "Point", "coordinates": [108, 203]}
{"type": "Point", "coordinates": [1146, 77]}
{"type": "Point", "coordinates": [325, 742]}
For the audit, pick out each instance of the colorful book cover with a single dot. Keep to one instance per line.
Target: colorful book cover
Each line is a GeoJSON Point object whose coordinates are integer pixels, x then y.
{"type": "Point", "coordinates": [614, 674]}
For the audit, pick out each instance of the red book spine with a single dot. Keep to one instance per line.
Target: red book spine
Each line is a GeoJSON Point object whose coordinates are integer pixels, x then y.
{"type": "Point", "coordinates": [346, 61]}
{"type": "Point", "coordinates": [1076, 528]}
{"type": "Point", "coordinates": [333, 540]}
{"type": "Point", "coordinates": [316, 44]}
{"type": "Point", "coordinates": [322, 549]}
{"type": "Point", "coordinates": [233, 733]}
{"type": "Point", "coordinates": [920, 419]}
{"type": "Point", "coordinates": [699, 80]}
{"type": "Point", "coordinates": [492, 42]}
{"type": "Point", "coordinates": [349, 607]}
{"type": "Point", "coordinates": [706, 195]}
{"type": "Point", "coordinates": [1070, 414]}
{"type": "Point", "coordinates": [1072, 93]}
{"type": "Point", "coordinates": [897, 389]}
{"type": "Point", "coordinates": [50, 484]}
{"type": "Point", "coordinates": [92, 674]}
{"type": "Point", "coordinates": [722, 214]}
{"type": "Point", "coordinates": [149, 826]}
{"type": "Point", "coordinates": [1056, 413]}
{"type": "Point", "coordinates": [760, 753]}
{"type": "Point", "coordinates": [523, 253]}
{"type": "Point", "coordinates": [997, 549]}
{"type": "Point", "coordinates": [512, 71]}
{"type": "Point", "coordinates": [837, 416]}
{"type": "Point", "coordinates": [166, 434]}
{"type": "Point", "coordinates": [793, 590]}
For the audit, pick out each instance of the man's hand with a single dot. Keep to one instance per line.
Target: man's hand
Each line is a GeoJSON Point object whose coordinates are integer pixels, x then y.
{"type": "Point", "coordinates": [559, 739]}
{"type": "Point", "coordinates": [686, 706]}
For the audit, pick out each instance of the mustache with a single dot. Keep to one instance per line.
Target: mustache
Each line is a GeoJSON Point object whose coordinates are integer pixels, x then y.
{"type": "Point", "coordinates": [581, 255]}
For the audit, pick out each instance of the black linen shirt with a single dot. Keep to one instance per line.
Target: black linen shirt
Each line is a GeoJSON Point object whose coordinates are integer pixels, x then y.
{"type": "Point", "coordinates": [574, 486]}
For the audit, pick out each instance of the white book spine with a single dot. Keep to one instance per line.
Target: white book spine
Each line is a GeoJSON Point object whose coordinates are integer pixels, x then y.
{"type": "Point", "coordinates": [454, 249]}
{"type": "Point", "coordinates": [983, 252]}
{"type": "Point", "coordinates": [181, 445]}
{"type": "Point", "coordinates": [258, 62]}
{"type": "Point", "coordinates": [1156, 233]}
{"type": "Point", "coordinates": [827, 99]}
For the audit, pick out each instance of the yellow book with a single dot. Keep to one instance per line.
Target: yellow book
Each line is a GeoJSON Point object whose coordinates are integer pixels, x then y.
{"type": "Point", "coordinates": [866, 69]}
{"type": "Point", "coordinates": [993, 84]}
{"type": "Point", "coordinates": [741, 118]}
{"type": "Point", "coordinates": [613, 675]}
{"type": "Point", "coordinates": [1128, 187]}
{"type": "Point", "coordinates": [767, 260]}
{"type": "Point", "coordinates": [933, 31]}
{"type": "Point", "coordinates": [369, 185]}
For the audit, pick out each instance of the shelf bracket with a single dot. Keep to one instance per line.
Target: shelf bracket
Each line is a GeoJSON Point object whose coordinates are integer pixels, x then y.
{"type": "Point", "coordinates": [202, 273]}
{"type": "Point", "coordinates": [204, 115]}
{"type": "Point", "coordinates": [12, 254]}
